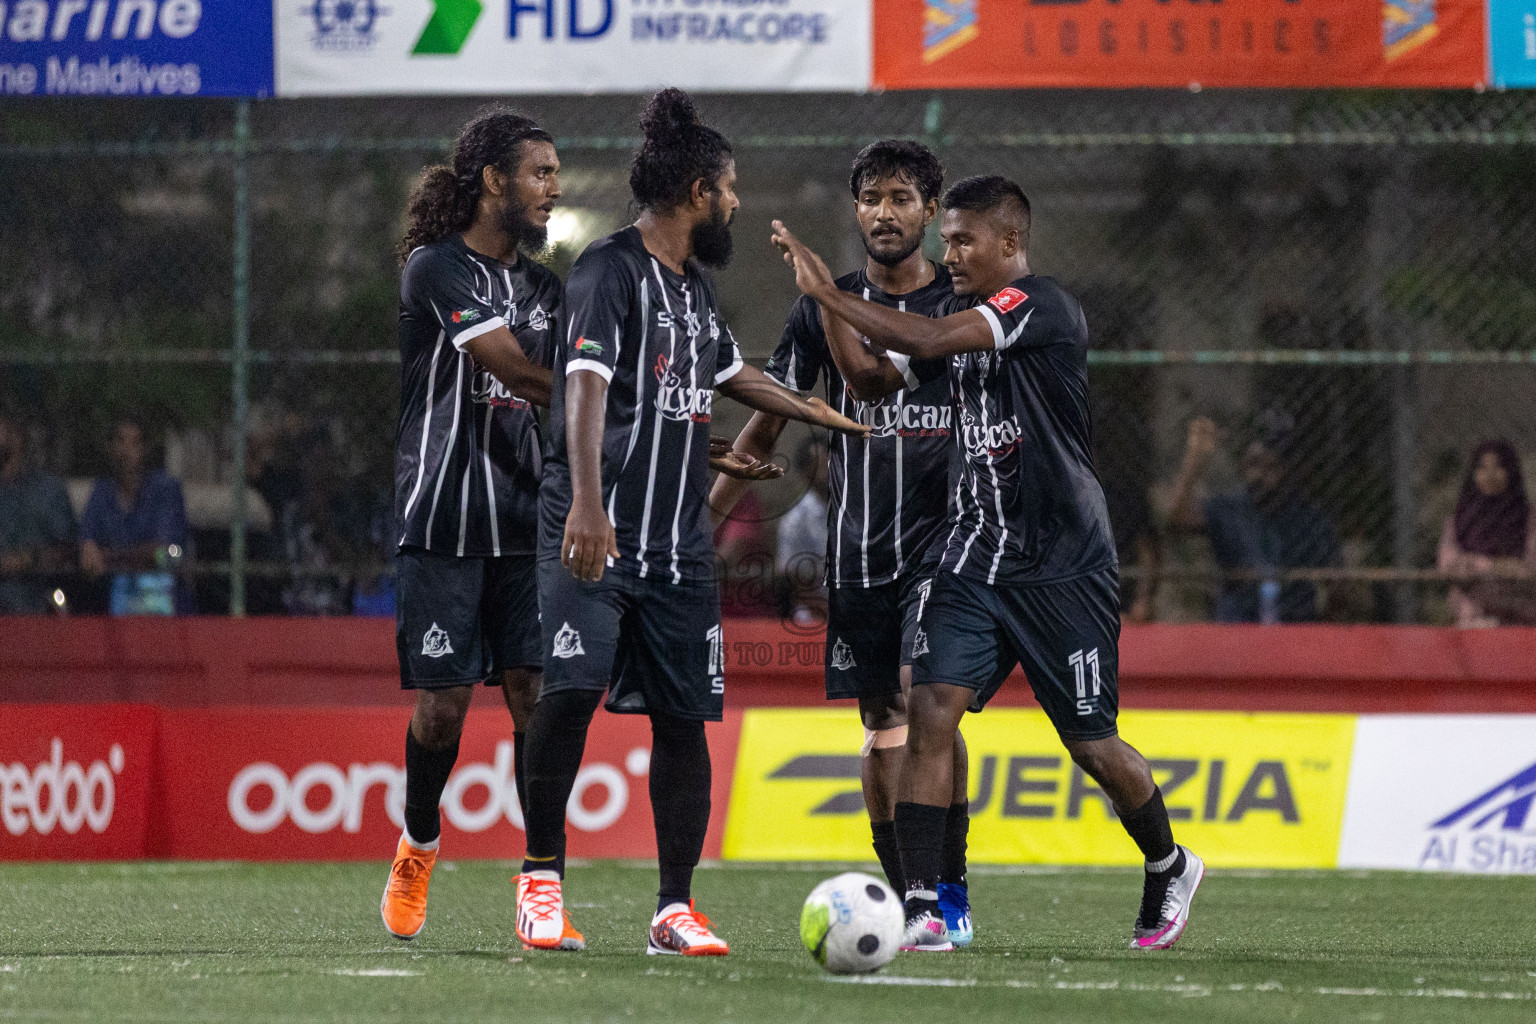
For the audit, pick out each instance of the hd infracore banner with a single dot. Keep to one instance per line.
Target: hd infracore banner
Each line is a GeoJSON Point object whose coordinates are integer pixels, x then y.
{"type": "Point", "coordinates": [923, 44]}
{"type": "Point", "coordinates": [570, 46]}
{"type": "Point", "coordinates": [135, 48]}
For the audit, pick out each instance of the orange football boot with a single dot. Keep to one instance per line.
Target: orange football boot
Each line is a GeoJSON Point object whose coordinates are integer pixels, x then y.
{"type": "Point", "coordinates": [404, 906]}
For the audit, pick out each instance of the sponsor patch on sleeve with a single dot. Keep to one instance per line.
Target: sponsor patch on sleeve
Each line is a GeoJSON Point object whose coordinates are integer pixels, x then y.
{"type": "Point", "coordinates": [464, 316]}
{"type": "Point", "coordinates": [1006, 299]}
{"type": "Point", "coordinates": [589, 347]}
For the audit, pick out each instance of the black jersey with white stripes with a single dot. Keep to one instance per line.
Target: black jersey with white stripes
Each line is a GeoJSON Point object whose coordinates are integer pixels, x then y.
{"type": "Point", "coordinates": [658, 339]}
{"type": "Point", "coordinates": [469, 453]}
{"type": "Point", "coordinates": [888, 498]}
{"type": "Point", "coordinates": [1029, 507]}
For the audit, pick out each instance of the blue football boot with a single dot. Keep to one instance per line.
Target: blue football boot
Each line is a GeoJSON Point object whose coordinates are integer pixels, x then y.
{"type": "Point", "coordinates": [955, 902]}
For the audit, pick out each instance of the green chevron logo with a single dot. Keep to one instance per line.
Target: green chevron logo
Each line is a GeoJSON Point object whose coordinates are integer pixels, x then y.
{"type": "Point", "coordinates": [450, 25]}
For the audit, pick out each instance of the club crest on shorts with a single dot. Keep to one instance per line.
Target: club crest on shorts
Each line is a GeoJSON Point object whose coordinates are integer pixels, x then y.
{"type": "Point", "coordinates": [920, 643]}
{"type": "Point", "coordinates": [842, 655]}
{"type": "Point", "coordinates": [567, 642]}
{"type": "Point", "coordinates": [434, 643]}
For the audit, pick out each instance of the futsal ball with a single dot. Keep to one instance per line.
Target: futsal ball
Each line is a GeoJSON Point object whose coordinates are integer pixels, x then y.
{"type": "Point", "coordinates": [852, 924]}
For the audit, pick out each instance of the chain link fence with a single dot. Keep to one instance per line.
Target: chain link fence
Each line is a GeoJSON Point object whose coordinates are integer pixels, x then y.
{"type": "Point", "coordinates": [1347, 279]}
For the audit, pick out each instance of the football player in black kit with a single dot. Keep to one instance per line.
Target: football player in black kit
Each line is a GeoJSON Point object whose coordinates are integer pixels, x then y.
{"type": "Point", "coordinates": [626, 564]}
{"type": "Point", "coordinates": [478, 327]}
{"type": "Point", "coordinates": [1028, 575]}
{"type": "Point", "coordinates": [889, 500]}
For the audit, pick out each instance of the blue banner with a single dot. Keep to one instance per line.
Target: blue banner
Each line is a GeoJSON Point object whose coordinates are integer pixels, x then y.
{"type": "Point", "coordinates": [1512, 38]}
{"type": "Point", "coordinates": [135, 48]}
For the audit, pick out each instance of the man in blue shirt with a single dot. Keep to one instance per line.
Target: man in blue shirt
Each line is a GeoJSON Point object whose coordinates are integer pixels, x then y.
{"type": "Point", "coordinates": [37, 526]}
{"type": "Point", "coordinates": [135, 520]}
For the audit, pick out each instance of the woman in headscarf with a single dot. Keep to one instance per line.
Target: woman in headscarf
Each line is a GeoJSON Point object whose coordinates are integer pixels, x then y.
{"type": "Point", "coordinates": [1492, 534]}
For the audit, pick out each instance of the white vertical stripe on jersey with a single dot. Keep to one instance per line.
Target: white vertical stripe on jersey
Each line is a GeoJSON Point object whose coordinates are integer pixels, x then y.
{"type": "Point", "coordinates": [842, 505]}
{"type": "Point", "coordinates": [864, 529]}
{"type": "Point", "coordinates": [693, 383]}
{"type": "Point", "coordinates": [634, 428]}
{"type": "Point", "coordinates": [490, 487]}
{"type": "Point", "coordinates": [469, 464]}
{"type": "Point", "coordinates": [970, 473]}
{"type": "Point", "coordinates": [453, 437]}
{"type": "Point", "coordinates": [426, 423]}
{"type": "Point", "coordinates": [900, 396]}
{"type": "Point", "coordinates": [650, 480]}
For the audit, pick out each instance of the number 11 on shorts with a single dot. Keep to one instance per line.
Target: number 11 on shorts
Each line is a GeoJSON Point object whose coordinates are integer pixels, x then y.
{"type": "Point", "coordinates": [1077, 660]}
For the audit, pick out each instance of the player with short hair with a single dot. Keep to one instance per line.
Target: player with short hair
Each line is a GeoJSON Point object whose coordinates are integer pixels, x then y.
{"type": "Point", "coordinates": [888, 494]}
{"type": "Point", "coordinates": [1028, 575]}
{"type": "Point", "coordinates": [626, 564]}
{"type": "Point", "coordinates": [478, 323]}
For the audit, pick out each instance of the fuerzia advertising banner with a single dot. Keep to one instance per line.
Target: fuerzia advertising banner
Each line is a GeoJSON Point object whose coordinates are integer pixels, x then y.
{"type": "Point", "coordinates": [1245, 790]}
{"type": "Point", "coordinates": [135, 48]}
{"type": "Point", "coordinates": [1512, 42]}
{"type": "Point", "coordinates": [924, 44]}
{"type": "Point", "coordinates": [571, 46]}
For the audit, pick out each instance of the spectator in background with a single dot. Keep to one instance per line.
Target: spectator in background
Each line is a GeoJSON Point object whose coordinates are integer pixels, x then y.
{"type": "Point", "coordinates": [745, 560]}
{"type": "Point", "coordinates": [1492, 534]}
{"type": "Point", "coordinates": [1266, 525]}
{"type": "Point", "coordinates": [802, 562]}
{"type": "Point", "coordinates": [37, 526]}
{"type": "Point", "coordinates": [135, 527]}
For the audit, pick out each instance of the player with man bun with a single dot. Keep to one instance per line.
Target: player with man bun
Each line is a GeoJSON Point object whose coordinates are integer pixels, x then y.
{"type": "Point", "coordinates": [626, 563]}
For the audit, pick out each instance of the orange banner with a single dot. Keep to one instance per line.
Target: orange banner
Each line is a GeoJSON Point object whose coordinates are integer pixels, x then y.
{"type": "Point", "coordinates": [985, 44]}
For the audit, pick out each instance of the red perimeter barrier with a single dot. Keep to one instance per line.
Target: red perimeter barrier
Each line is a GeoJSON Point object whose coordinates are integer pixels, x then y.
{"type": "Point", "coordinates": [220, 662]}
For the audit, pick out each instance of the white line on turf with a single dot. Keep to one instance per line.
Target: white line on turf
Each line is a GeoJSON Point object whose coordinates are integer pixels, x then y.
{"type": "Point", "coordinates": [376, 972]}
{"type": "Point", "coordinates": [895, 979]}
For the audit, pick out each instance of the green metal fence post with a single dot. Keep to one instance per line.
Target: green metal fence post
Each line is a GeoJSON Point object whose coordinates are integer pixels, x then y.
{"type": "Point", "coordinates": [240, 352]}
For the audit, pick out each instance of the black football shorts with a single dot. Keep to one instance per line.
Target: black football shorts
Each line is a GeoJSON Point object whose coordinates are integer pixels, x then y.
{"type": "Point", "coordinates": [654, 645]}
{"type": "Point", "coordinates": [1065, 635]}
{"type": "Point", "coordinates": [871, 633]}
{"type": "Point", "coordinates": [462, 620]}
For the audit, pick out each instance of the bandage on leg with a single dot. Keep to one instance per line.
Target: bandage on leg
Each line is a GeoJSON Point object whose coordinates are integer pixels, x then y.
{"type": "Point", "coordinates": [882, 739]}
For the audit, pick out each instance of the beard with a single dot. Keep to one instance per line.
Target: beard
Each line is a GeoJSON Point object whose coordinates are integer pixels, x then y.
{"type": "Point", "coordinates": [711, 239]}
{"type": "Point", "coordinates": [524, 233]}
{"type": "Point", "coordinates": [894, 257]}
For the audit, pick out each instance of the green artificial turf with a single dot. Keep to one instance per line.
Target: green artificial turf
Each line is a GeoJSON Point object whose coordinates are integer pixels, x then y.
{"type": "Point", "coordinates": [303, 942]}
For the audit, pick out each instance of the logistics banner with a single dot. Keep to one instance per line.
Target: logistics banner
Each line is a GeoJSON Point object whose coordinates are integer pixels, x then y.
{"type": "Point", "coordinates": [1512, 42]}
{"type": "Point", "coordinates": [1246, 790]}
{"type": "Point", "coordinates": [136, 48]}
{"type": "Point", "coordinates": [1443, 793]}
{"type": "Point", "coordinates": [269, 784]}
{"type": "Point", "coordinates": [75, 783]}
{"type": "Point", "coordinates": [571, 46]}
{"type": "Point", "coordinates": [925, 44]}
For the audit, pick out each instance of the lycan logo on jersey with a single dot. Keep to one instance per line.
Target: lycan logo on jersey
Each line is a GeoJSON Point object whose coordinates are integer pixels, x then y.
{"type": "Point", "coordinates": [1006, 300]}
{"type": "Point", "coordinates": [988, 440]}
{"type": "Point", "coordinates": [676, 399]}
{"type": "Point", "coordinates": [567, 642]}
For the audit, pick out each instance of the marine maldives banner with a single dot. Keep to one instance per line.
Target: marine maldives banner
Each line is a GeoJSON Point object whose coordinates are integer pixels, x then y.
{"type": "Point", "coordinates": [270, 784]}
{"type": "Point", "coordinates": [925, 44]}
{"type": "Point", "coordinates": [75, 782]}
{"type": "Point", "coordinates": [136, 47]}
{"type": "Point", "coordinates": [571, 46]}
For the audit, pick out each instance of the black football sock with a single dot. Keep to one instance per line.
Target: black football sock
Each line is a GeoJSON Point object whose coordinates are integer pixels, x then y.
{"type": "Point", "coordinates": [884, 833]}
{"type": "Point", "coordinates": [426, 773]}
{"type": "Point", "coordinates": [1148, 825]}
{"type": "Point", "coordinates": [957, 826]}
{"type": "Point", "coordinates": [679, 785]}
{"type": "Point", "coordinates": [519, 774]}
{"type": "Point", "coordinates": [920, 833]}
{"type": "Point", "coordinates": [557, 735]}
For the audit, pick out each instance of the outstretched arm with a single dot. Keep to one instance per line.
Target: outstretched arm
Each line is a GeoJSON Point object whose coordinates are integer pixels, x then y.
{"type": "Point", "coordinates": [870, 374]}
{"type": "Point", "coordinates": [755, 442]}
{"type": "Point", "coordinates": [755, 389]}
{"type": "Point", "coordinates": [907, 333]}
{"type": "Point", "coordinates": [499, 352]}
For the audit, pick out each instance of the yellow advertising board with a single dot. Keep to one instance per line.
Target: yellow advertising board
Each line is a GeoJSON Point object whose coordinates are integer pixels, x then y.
{"type": "Point", "coordinates": [1243, 790]}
